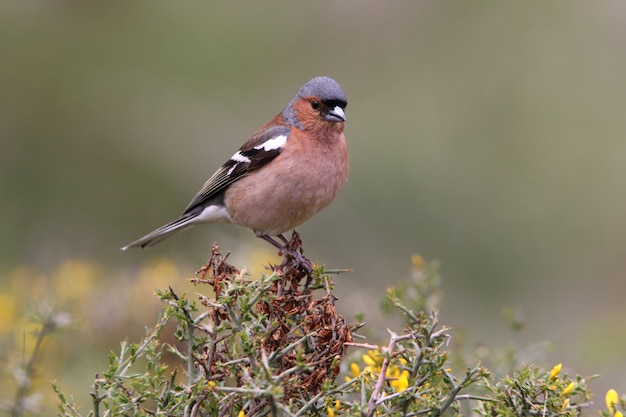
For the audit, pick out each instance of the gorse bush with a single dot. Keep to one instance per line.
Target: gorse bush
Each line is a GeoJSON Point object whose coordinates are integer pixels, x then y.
{"type": "Point", "coordinates": [277, 346]}
{"type": "Point", "coordinates": [255, 346]}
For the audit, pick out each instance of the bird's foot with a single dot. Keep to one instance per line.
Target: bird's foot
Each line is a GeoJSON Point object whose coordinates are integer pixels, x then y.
{"type": "Point", "coordinates": [293, 259]}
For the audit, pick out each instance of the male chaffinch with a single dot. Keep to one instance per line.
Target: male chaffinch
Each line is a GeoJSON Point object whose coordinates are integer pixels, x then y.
{"type": "Point", "coordinates": [287, 171]}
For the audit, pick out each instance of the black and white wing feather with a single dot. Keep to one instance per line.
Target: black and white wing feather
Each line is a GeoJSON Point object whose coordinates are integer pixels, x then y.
{"type": "Point", "coordinates": [207, 204]}
{"type": "Point", "coordinates": [259, 150]}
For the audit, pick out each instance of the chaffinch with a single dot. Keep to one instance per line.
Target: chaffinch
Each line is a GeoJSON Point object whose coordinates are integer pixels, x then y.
{"type": "Point", "coordinates": [287, 171]}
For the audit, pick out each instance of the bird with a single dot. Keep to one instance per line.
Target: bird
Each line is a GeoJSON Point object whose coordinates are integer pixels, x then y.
{"type": "Point", "coordinates": [286, 172]}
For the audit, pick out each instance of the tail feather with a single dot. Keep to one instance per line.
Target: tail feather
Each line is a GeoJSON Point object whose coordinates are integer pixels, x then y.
{"type": "Point", "coordinates": [162, 233]}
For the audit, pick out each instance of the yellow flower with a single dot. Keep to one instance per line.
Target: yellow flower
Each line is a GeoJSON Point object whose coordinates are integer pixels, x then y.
{"type": "Point", "coordinates": [555, 371]}
{"type": "Point", "coordinates": [355, 370]}
{"type": "Point", "coordinates": [565, 404]}
{"type": "Point", "coordinates": [568, 389]}
{"type": "Point", "coordinates": [373, 358]}
{"type": "Point", "coordinates": [611, 400]}
{"type": "Point", "coordinates": [397, 377]}
{"type": "Point", "coordinates": [402, 382]}
{"type": "Point", "coordinates": [417, 261]}
{"type": "Point", "coordinates": [618, 414]}
{"type": "Point", "coordinates": [330, 411]}
{"type": "Point", "coordinates": [241, 413]}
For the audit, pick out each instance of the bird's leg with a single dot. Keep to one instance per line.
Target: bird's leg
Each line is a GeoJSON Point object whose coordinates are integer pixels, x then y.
{"type": "Point", "coordinates": [273, 242]}
{"type": "Point", "coordinates": [283, 238]}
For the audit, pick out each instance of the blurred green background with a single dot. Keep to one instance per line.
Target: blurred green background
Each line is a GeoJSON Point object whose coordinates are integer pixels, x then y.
{"type": "Point", "coordinates": [487, 135]}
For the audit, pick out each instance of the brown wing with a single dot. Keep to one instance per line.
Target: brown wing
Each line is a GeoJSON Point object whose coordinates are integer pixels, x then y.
{"type": "Point", "coordinates": [251, 156]}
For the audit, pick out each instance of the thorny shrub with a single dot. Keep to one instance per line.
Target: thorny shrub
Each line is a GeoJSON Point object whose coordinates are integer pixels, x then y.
{"type": "Point", "coordinates": [277, 346]}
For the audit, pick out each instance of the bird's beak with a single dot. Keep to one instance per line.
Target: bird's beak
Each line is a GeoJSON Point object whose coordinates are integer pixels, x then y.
{"type": "Point", "coordinates": [336, 115]}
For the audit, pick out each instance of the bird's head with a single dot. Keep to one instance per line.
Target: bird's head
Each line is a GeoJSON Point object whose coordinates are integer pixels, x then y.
{"type": "Point", "coordinates": [320, 99]}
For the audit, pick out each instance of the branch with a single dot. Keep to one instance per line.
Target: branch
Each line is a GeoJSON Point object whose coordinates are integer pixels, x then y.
{"type": "Point", "coordinates": [372, 404]}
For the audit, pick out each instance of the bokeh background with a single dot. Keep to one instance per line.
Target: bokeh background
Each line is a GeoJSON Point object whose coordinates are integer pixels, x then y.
{"type": "Point", "coordinates": [487, 135]}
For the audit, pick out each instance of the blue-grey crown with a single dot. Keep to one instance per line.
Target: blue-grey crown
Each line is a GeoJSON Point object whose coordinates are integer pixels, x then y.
{"type": "Point", "coordinates": [323, 87]}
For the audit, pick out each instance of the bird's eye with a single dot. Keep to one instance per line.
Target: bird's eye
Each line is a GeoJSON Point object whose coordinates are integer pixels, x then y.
{"type": "Point", "coordinates": [315, 104]}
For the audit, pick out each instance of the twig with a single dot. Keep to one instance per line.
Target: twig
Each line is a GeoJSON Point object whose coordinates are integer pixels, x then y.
{"type": "Point", "coordinates": [362, 345]}
{"type": "Point", "coordinates": [338, 271]}
{"type": "Point", "coordinates": [320, 394]}
{"type": "Point", "coordinates": [456, 388]}
{"type": "Point", "coordinates": [278, 354]}
{"type": "Point", "coordinates": [372, 404]}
